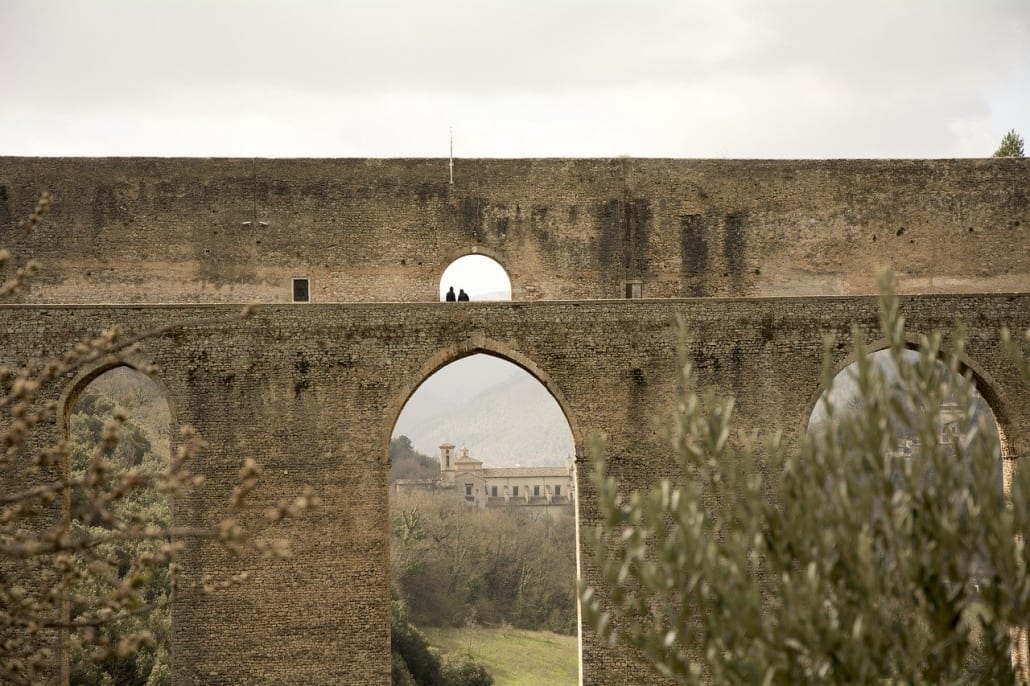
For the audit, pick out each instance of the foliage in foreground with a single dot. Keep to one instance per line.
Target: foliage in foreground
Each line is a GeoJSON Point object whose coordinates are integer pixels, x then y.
{"type": "Point", "coordinates": [838, 562]}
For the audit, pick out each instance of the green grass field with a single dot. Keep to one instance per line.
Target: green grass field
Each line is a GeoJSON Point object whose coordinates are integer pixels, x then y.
{"type": "Point", "coordinates": [513, 656]}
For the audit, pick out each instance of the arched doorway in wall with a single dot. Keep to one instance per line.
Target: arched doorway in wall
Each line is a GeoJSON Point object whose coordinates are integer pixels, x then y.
{"type": "Point", "coordinates": [483, 550]}
{"type": "Point", "coordinates": [914, 469]}
{"type": "Point", "coordinates": [482, 278]}
{"type": "Point", "coordinates": [846, 398]}
{"type": "Point", "coordinates": [115, 501]}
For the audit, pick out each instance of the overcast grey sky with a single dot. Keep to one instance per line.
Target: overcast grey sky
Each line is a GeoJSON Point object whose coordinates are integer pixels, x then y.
{"type": "Point", "coordinates": [519, 78]}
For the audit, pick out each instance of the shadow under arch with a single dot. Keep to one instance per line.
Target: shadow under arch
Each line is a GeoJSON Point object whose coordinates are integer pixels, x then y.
{"type": "Point", "coordinates": [478, 345]}
{"type": "Point", "coordinates": [983, 382]}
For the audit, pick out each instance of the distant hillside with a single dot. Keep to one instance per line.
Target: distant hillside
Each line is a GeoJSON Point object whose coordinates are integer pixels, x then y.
{"type": "Point", "coordinates": [498, 411]}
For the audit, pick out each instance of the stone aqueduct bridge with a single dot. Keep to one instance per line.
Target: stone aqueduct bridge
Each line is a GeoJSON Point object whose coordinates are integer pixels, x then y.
{"type": "Point", "coordinates": [783, 253]}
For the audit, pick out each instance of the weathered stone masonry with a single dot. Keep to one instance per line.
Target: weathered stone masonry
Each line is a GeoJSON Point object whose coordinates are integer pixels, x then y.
{"type": "Point", "coordinates": [172, 230]}
{"type": "Point", "coordinates": [307, 388]}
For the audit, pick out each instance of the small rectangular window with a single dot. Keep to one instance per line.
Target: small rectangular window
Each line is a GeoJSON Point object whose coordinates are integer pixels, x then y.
{"type": "Point", "coordinates": [468, 489]}
{"type": "Point", "coordinates": [493, 491]}
{"type": "Point", "coordinates": [536, 491]}
{"type": "Point", "coordinates": [634, 289]}
{"type": "Point", "coordinates": [515, 491]}
{"type": "Point", "coordinates": [301, 290]}
{"type": "Point", "coordinates": [557, 490]}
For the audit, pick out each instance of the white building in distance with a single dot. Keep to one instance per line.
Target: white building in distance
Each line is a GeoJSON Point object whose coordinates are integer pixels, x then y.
{"type": "Point", "coordinates": [492, 487]}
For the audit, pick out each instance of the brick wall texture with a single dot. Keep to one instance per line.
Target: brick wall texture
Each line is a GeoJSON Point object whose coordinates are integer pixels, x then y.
{"type": "Point", "coordinates": [760, 258]}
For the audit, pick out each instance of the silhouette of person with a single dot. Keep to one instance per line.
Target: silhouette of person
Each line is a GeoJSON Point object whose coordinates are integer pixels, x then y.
{"type": "Point", "coordinates": [462, 295]}
{"type": "Point", "coordinates": [450, 295]}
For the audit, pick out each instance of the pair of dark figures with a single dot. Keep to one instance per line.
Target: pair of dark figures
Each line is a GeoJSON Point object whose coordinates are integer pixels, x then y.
{"type": "Point", "coordinates": [462, 295]}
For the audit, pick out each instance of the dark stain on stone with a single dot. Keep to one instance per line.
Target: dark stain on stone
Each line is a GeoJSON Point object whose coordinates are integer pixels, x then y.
{"type": "Point", "coordinates": [737, 362]}
{"type": "Point", "coordinates": [609, 244]}
{"type": "Point", "coordinates": [705, 361]}
{"type": "Point", "coordinates": [105, 207]}
{"type": "Point", "coordinates": [196, 361]}
{"type": "Point", "coordinates": [734, 242]}
{"type": "Point", "coordinates": [301, 366]}
{"type": "Point", "coordinates": [193, 378]}
{"type": "Point", "coordinates": [639, 216]}
{"type": "Point", "coordinates": [694, 252]}
{"type": "Point", "coordinates": [637, 394]}
{"type": "Point", "coordinates": [319, 190]}
{"type": "Point", "coordinates": [426, 191]}
{"type": "Point", "coordinates": [767, 328]}
{"type": "Point", "coordinates": [501, 226]}
{"type": "Point", "coordinates": [538, 224]}
{"type": "Point", "coordinates": [472, 211]}
{"type": "Point", "coordinates": [5, 208]}
{"type": "Point", "coordinates": [900, 232]}
{"type": "Point", "coordinates": [165, 194]}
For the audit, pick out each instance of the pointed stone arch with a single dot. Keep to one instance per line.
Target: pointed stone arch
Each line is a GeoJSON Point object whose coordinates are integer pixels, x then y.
{"type": "Point", "coordinates": [66, 406]}
{"type": "Point", "coordinates": [84, 378]}
{"type": "Point", "coordinates": [983, 382]}
{"type": "Point", "coordinates": [478, 344]}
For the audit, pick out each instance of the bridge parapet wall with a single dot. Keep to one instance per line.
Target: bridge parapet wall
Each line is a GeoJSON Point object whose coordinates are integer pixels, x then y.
{"type": "Point", "coordinates": [238, 230]}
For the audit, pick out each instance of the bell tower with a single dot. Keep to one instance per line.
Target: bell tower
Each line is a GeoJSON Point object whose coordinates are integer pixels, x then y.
{"type": "Point", "coordinates": [447, 457]}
